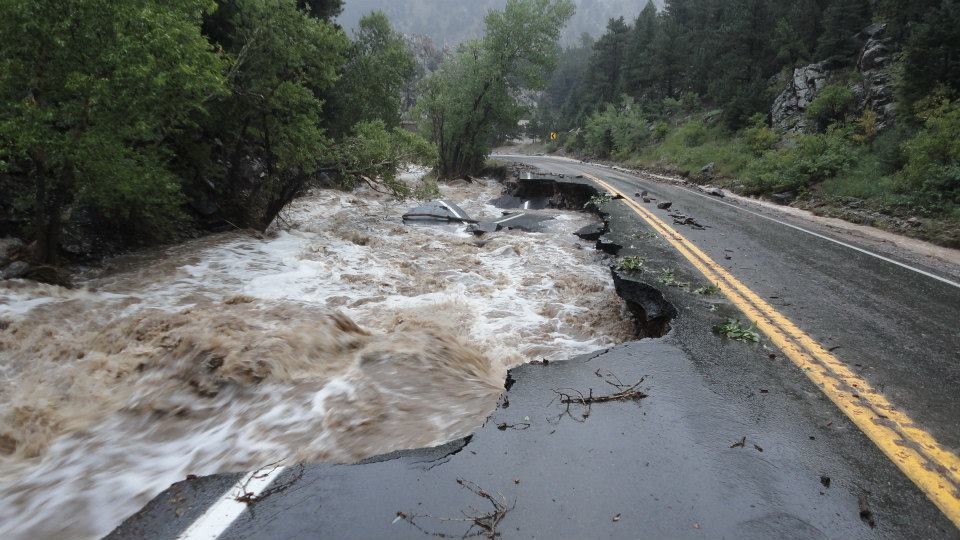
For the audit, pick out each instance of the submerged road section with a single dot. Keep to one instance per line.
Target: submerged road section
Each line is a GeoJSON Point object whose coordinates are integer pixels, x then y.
{"type": "Point", "coordinates": [843, 421]}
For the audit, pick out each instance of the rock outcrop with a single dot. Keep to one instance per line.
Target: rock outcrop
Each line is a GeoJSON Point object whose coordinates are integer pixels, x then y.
{"type": "Point", "coordinates": [873, 88]}
{"type": "Point", "coordinates": [788, 111]}
{"type": "Point", "coordinates": [876, 89]}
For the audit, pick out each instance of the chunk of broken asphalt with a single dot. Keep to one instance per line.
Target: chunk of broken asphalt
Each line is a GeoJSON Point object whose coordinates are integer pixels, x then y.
{"type": "Point", "coordinates": [592, 232]}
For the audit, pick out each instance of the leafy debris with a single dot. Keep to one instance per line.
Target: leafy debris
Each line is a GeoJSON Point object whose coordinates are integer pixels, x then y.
{"type": "Point", "coordinates": [734, 329]}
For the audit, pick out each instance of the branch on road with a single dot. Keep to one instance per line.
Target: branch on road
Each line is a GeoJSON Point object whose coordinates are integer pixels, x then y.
{"type": "Point", "coordinates": [481, 523]}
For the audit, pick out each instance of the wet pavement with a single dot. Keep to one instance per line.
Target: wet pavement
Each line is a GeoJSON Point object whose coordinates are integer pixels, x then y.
{"type": "Point", "coordinates": [731, 440]}
{"type": "Point", "coordinates": [667, 466]}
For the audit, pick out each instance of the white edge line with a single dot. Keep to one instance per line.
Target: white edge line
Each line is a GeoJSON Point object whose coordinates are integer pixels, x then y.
{"type": "Point", "coordinates": [834, 240]}
{"type": "Point", "coordinates": [452, 211]}
{"type": "Point", "coordinates": [739, 207]}
{"type": "Point", "coordinates": [227, 508]}
{"type": "Point", "coordinates": [510, 218]}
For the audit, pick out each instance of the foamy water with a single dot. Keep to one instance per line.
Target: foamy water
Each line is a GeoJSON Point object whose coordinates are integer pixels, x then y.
{"type": "Point", "coordinates": [342, 334]}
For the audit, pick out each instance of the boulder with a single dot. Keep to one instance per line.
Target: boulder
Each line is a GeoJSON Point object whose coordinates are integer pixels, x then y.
{"type": "Point", "coordinates": [783, 198]}
{"type": "Point", "coordinates": [708, 170]}
{"type": "Point", "coordinates": [665, 205]}
{"type": "Point", "coordinates": [715, 191]}
{"type": "Point", "coordinates": [14, 270]}
{"type": "Point", "coordinates": [787, 113]}
{"type": "Point", "coordinates": [10, 248]}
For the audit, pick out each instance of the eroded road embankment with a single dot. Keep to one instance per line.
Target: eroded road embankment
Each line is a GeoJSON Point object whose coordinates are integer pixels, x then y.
{"type": "Point", "coordinates": [682, 436]}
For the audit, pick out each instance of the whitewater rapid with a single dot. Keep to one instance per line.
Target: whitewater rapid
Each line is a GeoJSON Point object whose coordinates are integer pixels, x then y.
{"type": "Point", "coordinates": [341, 334]}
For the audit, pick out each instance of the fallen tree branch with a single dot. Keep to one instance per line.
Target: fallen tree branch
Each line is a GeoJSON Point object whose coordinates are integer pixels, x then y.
{"type": "Point", "coordinates": [570, 396]}
{"type": "Point", "coordinates": [481, 523]}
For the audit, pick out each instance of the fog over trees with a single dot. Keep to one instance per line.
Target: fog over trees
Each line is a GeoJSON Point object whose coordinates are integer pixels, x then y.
{"type": "Point", "coordinates": [453, 21]}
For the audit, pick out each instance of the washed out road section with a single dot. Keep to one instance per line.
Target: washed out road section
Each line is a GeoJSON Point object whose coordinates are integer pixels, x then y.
{"type": "Point", "coordinates": [731, 440]}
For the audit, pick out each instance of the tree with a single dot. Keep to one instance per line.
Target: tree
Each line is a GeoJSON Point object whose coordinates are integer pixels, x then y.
{"type": "Point", "coordinates": [90, 90]}
{"type": "Point", "coordinates": [639, 78]}
{"type": "Point", "coordinates": [842, 21]}
{"type": "Point", "coordinates": [322, 9]}
{"type": "Point", "coordinates": [668, 48]}
{"type": "Point", "coordinates": [281, 59]}
{"type": "Point", "coordinates": [607, 67]}
{"type": "Point", "coordinates": [932, 54]}
{"type": "Point", "coordinates": [370, 88]}
{"type": "Point", "coordinates": [475, 96]}
{"type": "Point", "coordinates": [374, 151]}
{"type": "Point", "coordinates": [565, 101]}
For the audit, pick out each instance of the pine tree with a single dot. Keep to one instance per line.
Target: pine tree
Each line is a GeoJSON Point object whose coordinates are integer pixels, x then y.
{"type": "Point", "coordinates": [609, 62]}
{"type": "Point", "coordinates": [638, 76]}
{"type": "Point", "coordinates": [842, 21]}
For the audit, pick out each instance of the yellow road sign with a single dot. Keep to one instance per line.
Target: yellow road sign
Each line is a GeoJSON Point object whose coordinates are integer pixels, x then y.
{"type": "Point", "coordinates": [553, 135]}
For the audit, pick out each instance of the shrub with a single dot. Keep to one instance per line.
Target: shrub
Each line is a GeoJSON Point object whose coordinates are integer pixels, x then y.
{"type": "Point", "coordinates": [693, 133]}
{"type": "Point", "coordinates": [832, 104]}
{"type": "Point", "coordinates": [759, 137]}
{"type": "Point", "coordinates": [888, 147]}
{"type": "Point", "coordinates": [867, 128]}
{"type": "Point", "coordinates": [812, 159]}
{"type": "Point", "coordinates": [574, 141]}
{"type": "Point", "coordinates": [933, 155]}
{"type": "Point", "coordinates": [660, 130]}
{"type": "Point", "coordinates": [598, 132]}
{"type": "Point", "coordinates": [616, 131]}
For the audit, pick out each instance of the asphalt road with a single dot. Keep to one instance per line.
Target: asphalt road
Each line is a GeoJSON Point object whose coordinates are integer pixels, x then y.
{"type": "Point", "coordinates": [899, 328]}
{"type": "Point", "coordinates": [732, 440]}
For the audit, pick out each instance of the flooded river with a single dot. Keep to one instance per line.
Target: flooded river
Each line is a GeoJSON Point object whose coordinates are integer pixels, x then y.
{"type": "Point", "coordinates": [341, 334]}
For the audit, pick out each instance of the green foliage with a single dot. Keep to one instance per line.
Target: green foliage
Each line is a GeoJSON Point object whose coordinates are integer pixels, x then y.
{"type": "Point", "coordinates": [322, 9]}
{"type": "Point", "coordinates": [693, 133]}
{"type": "Point", "coordinates": [930, 58]}
{"type": "Point", "coordinates": [89, 91]}
{"type": "Point", "coordinates": [377, 68]}
{"type": "Point", "coordinates": [631, 264]}
{"type": "Point", "coordinates": [472, 100]}
{"type": "Point", "coordinates": [659, 131]}
{"type": "Point", "coordinates": [374, 152]}
{"type": "Point", "coordinates": [811, 159]}
{"type": "Point", "coordinates": [596, 201]}
{"type": "Point", "coordinates": [619, 132]}
{"type": "Point", "coordinates": [668, 277]}
{"type": "Point", "coordinates": [933, 155]}
{"type": "Point", "coordinates": [735, 330]}
{"type": "Point", "coordinates": [731, 155]}
{"type": "Point", "coordinates": [759, 137]}
{"type": "Point", "coordinates": [707, 290]}
{"type": "Point", "coordinates": [842, 19]}
{"type": "Point", "coordinates": [832, 104]}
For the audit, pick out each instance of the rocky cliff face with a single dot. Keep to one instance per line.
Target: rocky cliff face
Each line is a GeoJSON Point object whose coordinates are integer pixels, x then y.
{"type": "Point", "coordinates": [876, 89]}
{"type": "Point", "coordinates": [873, 89]}
{"type": "Point", "coordinates": [787, 113]}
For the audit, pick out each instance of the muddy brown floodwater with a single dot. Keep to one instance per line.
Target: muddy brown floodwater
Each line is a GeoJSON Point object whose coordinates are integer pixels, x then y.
{"type": "Point", "coordinates": [342, 334]}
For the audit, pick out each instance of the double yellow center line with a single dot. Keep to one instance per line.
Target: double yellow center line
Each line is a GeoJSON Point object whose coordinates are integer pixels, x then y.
{"type": "Point", "coordinates": [933, 468]}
